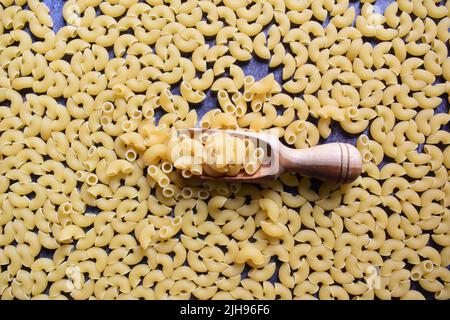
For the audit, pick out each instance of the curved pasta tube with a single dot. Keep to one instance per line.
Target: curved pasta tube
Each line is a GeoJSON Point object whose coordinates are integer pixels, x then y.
{"type": "Point", "coordinates": [189, 94]}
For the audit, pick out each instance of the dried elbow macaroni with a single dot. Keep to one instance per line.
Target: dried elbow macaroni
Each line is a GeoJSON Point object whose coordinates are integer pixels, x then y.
{"type": "Point", "coordinates": [215, 154]}
{"type": "Point", "coordinates": [90, 203]}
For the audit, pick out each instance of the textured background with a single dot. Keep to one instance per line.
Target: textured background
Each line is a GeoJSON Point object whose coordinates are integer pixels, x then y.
{"type": "Point", "coordinates": [260, 69]}
{"type": "Point", "coordinates": [255, 67]}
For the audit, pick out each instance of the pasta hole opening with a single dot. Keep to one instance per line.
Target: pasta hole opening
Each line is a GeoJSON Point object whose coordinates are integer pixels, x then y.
{"type": "Point", "coordinates": [291, 138]}
{"type": "Point", "coordinates": [201, 94]}
{"type": "Point", "coordinates": [177, 220]}
{"type": "Point", "coordinates": [166, 167]}
{"type": "Point", "coordinates": [118, 89]}
{"type": "Point", "coordinates": [108, 107]}
{"type": "Point", "coordinates": [205, 124]}
{"type": "Point", "coordinates": [239, 111]}
{"type": "Point", "coordinates": [367, 156]}
{"type": "Point", "coordinates": [164, 232]}
{"type": "Point", "coordinates": [187, 85]}
{"type": "Point", "coordinates": [249, 80]}
{"type": "Point", "coordinates": [428, 266]}
{"type": "Point", "coordinates": [250, 168]}
{"type": "Point", "coordinates": [178, 196]}
{"type": "Point", "coordinates": [151, 170]}
{"type": "Point", "coordinates": [364, 139]}
{"type": "Point", "coordinates": [67, 208]}
{"type": "Point", "coordinates": [164, 182]}
{"type": "Point", "coordinates": [105, 120]}
{"type": "Point", "coordinates": [236, 96]}
{"type": "Point", "coordinates": [92, 151]}
{"type": "Point", "coordinates": [203, 194]}
{"type": "Point", "coordinates": [415, 276]}
{"type": "Point", "coordinates": [92, 179]}
{"type": "Point", "coordinates": [320, 257]}
{"type": "Point", "coordinates": [131, 155]}
{"type": "Point", "coordinates": [79, 175]}
{"type": "Point", "coordinates": [248, 96]}
{"type": "Point", "coordinates": [223, 94]}
{"type": "Point", "coordinates": [89, 166]}
{"type": "Point", "coordinates": [168, 192]}
{"type": "Point", "coordinates": [301, 126]}
{"type": "Point", "coordinates": [352, 112]}
{"type": "Point", "coordinates": [229, 108]}
{"type": "Point", "coordinates": [168, 93]}
{"type": "Point", "coordinates": [149, 113]}
{"type": "Point", "coordinates": [127, 126]}
{"type": "Point", "coordinates": [186, 173]}
{"type": "Point", "coordinates": [257, 106]}
{"type": "Point", "coordinates": [187, 193]}
{"type": "Point", "coordinates": [137, 114]}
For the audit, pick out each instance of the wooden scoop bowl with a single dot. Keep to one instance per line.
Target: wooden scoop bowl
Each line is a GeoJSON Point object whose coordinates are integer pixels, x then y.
{"type": "Point", "coordinates": [335, 162]}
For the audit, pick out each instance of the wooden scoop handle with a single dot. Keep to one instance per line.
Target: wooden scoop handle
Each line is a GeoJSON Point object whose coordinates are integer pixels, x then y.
{"type": "Point", "coordinates": [336, 162]}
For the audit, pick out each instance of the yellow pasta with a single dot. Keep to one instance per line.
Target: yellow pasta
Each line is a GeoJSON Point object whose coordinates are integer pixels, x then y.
{"type": "Point", "coordinates": [96, 168]}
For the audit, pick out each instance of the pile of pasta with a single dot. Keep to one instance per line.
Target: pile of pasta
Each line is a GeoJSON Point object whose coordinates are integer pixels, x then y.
{"type": "Point", "coordinates": [215, 154]}
{"type": "Point", "coordinates": [91, 208]}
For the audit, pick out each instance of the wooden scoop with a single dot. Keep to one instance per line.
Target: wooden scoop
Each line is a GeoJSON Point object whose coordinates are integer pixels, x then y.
{"type": "Point", "coordinates": [335, 162]}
